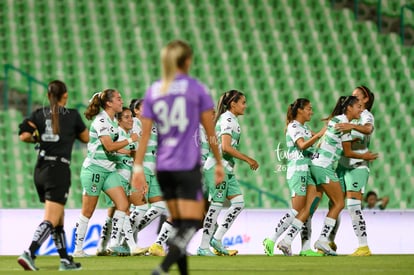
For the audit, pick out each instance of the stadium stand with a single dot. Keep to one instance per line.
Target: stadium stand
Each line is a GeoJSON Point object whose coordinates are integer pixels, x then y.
{"type": "Point", "coordinates": [274, 51]}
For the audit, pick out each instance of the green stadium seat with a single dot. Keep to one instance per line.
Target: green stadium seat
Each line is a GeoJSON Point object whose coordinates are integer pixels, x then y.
{"type": "Point", "coordinates": [274, 51]}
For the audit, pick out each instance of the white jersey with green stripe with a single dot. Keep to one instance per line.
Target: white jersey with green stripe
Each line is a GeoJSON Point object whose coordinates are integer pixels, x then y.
{"type": "Point", "coordinates": [150, 157]}
{"type": "Point", "coordinates": [329, 148]}
{"type": "Point", "coordinates": [360, 142]}
{"type": "Point", "coordinates": [297, 159]}
{"type": "Point", "coordinates": [227, 124]}
{"type": "Point", "coordinates": [205, 147]}
{"type": "Point", "coordinates": [124, 162]}
{"type": "Point", "coordinates": [101, 126]}
{"type": "Point", "coordinates": [137, 126]}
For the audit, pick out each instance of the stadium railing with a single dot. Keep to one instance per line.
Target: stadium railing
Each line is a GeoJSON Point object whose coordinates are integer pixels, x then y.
{"type": "Point", "coordinates": [406, 7]}
{"type": "Point", "coordinates": [8, 68]}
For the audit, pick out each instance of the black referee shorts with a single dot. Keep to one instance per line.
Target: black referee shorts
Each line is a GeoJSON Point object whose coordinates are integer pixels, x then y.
{"type": "Point", "coordinates": [181, 184]}
{"type": "Point", "coordinates": [52, 181]}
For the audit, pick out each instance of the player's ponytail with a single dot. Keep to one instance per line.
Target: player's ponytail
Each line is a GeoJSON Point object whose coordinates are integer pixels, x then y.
{"type": "Point", "coordinates": [293, 108]}
{"type": "Point", "coordinates": [173, 57]}
{"type": "Point", "coordinates": [225, 101]}
{"type": "Point", "coordinates": [97, 101]}
{"type": "Point", "coordinates": [55, 90]}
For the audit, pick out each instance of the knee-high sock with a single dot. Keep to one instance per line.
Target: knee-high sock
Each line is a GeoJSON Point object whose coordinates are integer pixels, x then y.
{"type": "Point", "coordinates": [156, 209]}
{"type": "Point", "coordinates": [293, 231]}
{"type": "Point", "coordinates": [136, 216]}
{"type": "Point", "coordinates": [237, 205]}
{"type": "Point", "coordinates": [306, 234]}
{"type": "Point", "coordinates": [165, 233]}
{"type": "Point", "coordinates": [327, 229]}
{"type": "Point", "coordinates": [284, 223]}
{"type": "Point", "coordinates": [117, 225]}
{"type": "Point", "coordinates": [129, 237]}
{"type": "Point", "coordinates": [41, 234]}
{"type": "Point", "coordinates": [209, 224]}
{"type": "Point", "coordinates": [81, 227]}
{"type": "Point", "coordinates": [332, 236]}
{"type": "Point", "coordinates": [178, 244]}
{"type": "Point", "coordinates": [358, 221]}
{"type": "Point", "coordinates": [105, 234]}
{"type": "Point", "coordinates": [59, 237]}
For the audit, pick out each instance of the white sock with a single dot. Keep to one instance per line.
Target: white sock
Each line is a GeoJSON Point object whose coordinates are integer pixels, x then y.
{"type": "Point", "coordinates": [117, 226]}
{"type": "Point", "coordinates": [332, 236]}
{"type": "Point", "coordinates": [209, 224]}
{"type": "Point", "coordinates": [327, 229]}
{"type": "Point", "coordinates": [237, 205]}
{"type": "Point", "coordinates": [284, 223]}
{"type": "Point", "coordinates": [156, 209]}
{"type": "Point", "coordinates": [293, 231]}
{"type": "Point", "coordinates": [358, 221]}
{"type": "Point", "coordinates": [105, 234]}
{"type": "Point", "coordinates": [137, 214]}
{"type": "Point", "coordinates": [128, 236]}
{"type": "Point", "coordinates": [165, 232]}
{"type": "Point", "coordinates": [306, 234]}
{"type": "Point", "coordinates": [81, 227]}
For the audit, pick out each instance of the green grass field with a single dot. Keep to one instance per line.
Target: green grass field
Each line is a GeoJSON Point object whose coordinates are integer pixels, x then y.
{"type": "Point", "coordinates": [381, 264]}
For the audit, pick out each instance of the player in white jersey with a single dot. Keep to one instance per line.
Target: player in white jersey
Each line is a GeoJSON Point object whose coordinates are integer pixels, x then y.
{"type": "Point", "coordinates": [354, 173]}
{"type": "Point", "coordinates": [124, 162]}
{"type": "Point", "coordinates": [230, 106]}
{"type": "Point", "coordinates": [140, 205]}
{"type": "Point", "coordinates": [99, 168]}
{"type": "Point", "coordinates": [332, 145]}
{"type": "Point", "coordinates": [153, 196]}
{"type": "Point", "coordinates": [300, 140]}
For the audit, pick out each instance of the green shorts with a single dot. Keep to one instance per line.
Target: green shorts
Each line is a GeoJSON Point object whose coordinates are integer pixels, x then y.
{"type": "Point", "coordinates": [323, 175]}
{"type": "Point", "coordinates": [340, 171]}
{"type": "Point", "coordinates": [298, 183]}
{"type": "Point", "coordinates": [353, 179]}
{"type": "Point", "coordinates": [125, 184]}
{"type": "Point", "coordinates": [154, 189]}
{"type": "Point", "coordinates": [94, 179]}
{"type": "Point", "coordinates": [229, 187]}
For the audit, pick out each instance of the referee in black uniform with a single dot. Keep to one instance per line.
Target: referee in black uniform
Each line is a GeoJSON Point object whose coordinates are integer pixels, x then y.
{"type": "Point", "coordinates": [55, 128]}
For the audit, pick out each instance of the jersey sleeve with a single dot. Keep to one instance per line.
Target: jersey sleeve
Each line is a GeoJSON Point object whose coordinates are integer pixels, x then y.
{"type": "Point", "coordinates": [367, 118]}
{"type": "Point", "coordinates": [346, 137]}
{"type": "Point", "coordinates": [295, 132]}
{"type": "Point", "coordinates": [25, 127]}
{"type": "Point", "coordinates": [226, 126]}
{"type": "Point", "coordinates": [79, 124]}
{"type": "Point", "coordinates": [137, 127]}
{"type": "Point", "coordinates": [102, 128]}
